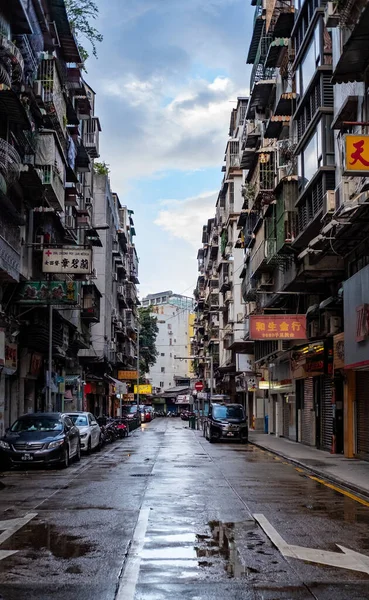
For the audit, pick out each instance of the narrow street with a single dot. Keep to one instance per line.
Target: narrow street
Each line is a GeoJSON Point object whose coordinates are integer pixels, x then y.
{"type": "Point", "coordinates": [166, 515]}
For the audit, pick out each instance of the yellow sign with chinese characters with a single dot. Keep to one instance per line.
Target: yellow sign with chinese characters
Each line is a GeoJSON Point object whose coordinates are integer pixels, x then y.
{"type": "Point", "coordinates": [356, 158]}
{"type": "Point", "coordinates": [143, 389]}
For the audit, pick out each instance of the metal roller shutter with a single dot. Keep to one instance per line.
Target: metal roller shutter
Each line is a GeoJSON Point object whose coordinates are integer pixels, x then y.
{"type": "Point", "coordinates": [362, 414]}
{"type": "Point", "coordinates": [308, 414]}
{"type": "Point", "coordinates": [327, 414]}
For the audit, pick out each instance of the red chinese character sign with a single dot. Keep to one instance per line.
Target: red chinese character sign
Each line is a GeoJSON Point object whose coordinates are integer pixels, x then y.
{"type": "Point", "coordinates": [66, 260]}
{"type": "Point", "coordinates": [278, 327]}
{"type": "Point", "coordinates": [356, 159]}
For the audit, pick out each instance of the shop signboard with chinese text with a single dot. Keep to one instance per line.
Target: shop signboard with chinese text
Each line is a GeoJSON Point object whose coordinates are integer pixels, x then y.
{"type": "Point", "coordinates": [48, 292]}
{"type": "Point", "coordinates": [143, 389]}
{"type": "Point", "coordinates": [11, 356]}
{"type": "Point", "coordinates": [277, 327]}
{"type": "Point", "coordinates": [127, 375]}
{"type": "Point", "coordinates": [356, 154]}
{"type": "Point", "coordinates": [66, 260]}
{"type": "Point", "coordinates": [339, 351]}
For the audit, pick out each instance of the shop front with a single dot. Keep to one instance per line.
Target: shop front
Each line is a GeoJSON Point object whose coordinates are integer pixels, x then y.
{"type": "Point", "coordinates": [356, 362]}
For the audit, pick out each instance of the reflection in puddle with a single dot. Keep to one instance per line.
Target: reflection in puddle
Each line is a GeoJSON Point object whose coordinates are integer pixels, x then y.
{"type": "Point", "coordinates": [189, 538]}
{"type": "Point", "coordinates": [169, 552]}
{"type": "Point", "coordinates": [41, 536]}
{"type": "Point", "coordinates": [222, 545]}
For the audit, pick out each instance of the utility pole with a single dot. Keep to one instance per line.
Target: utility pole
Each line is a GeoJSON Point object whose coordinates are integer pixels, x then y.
{"type": "Point", "coordinates": [49, 393]}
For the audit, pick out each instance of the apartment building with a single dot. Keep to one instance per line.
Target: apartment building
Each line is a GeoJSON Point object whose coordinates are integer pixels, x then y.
{"type": "Point", "coordinates": [175, 323]}
{"type": "Point", "coordinates": [220, 308]}
{"type": "Point", "coordinates": [50, 235]}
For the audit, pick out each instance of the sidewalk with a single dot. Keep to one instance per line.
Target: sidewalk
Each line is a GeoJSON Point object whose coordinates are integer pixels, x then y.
{"type": "Point", "coordinates": [348, 472]}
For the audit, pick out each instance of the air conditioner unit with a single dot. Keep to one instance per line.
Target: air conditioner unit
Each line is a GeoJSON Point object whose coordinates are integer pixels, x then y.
{"type": "Point", "coordinates": [39, 241]}
{"type": "Point", "coordinates": [70, 222]}
{"type": "Point", "coordinates": [250, 308]}
{"type": "Point", "coordinates": [228, 296]}
{"type": "Point", "coordinates": [282, 172]}
{"type": "Point", "coordinates": [240, 317]}
{"type": "Point", "coordinates": [334, 325]}
{"type": "Point", "coordinates": [38, 90]}
{"type": "Point", "coordinates": [345, 191]}
{"type": "Point", "coordinates": [331, 15]}
{"type": "Point", "coordinates": [266, 280]}
{"type": "Point", "coordinates": [120, 357]}
{"type": "Point", "coordinates": [121, 290]}
{"type": "Point", "coordinates": [115, 276]}
{"type": "Point", "coordinates": [112, 346]}
{"type": "Point", "coordinates": [329, 203]}
{"type": "Point", "coordinates": [313, 329]}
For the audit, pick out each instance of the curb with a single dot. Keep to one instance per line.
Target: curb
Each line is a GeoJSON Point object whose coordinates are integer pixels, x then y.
{"type": "Point", "coordinates": [363, 494]}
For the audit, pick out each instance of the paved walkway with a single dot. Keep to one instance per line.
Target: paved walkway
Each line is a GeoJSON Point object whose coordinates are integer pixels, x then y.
{"type": "Point", "coordinates": [349, 472]}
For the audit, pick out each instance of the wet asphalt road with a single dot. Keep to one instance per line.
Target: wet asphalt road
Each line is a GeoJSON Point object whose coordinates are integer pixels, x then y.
{"type": "Point", "coordinates": [166, 515]}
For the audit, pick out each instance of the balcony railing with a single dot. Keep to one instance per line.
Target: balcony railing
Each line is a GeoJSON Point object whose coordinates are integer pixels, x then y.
{"type": "Point", "coordinates": [54, 188]}
{"type": "Point", "coordinates": [52, 92]}
{"type": "Point", "coordinates": [10, 163]}
{"type": "Point", "coordinates": [286, 229]}
{"type": "Point", "coordinates": [91, 137]}
{"type": "Point", "coordinates": [11, 58]}
{"type": "Point", "coordinates": [264, 178]}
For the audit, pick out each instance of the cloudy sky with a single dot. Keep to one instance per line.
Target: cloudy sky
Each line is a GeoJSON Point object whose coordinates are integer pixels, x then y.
{"type": "Point", "coordinates": [167, 77]}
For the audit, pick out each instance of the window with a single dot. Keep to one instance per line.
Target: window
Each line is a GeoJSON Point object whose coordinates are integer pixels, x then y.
{"type": "Point", "coordinates": [309, 63]}
{"type": "Point", "coordinates": [162, 370]}
{"type": "Point", "coordinates": [162, 384]}
{"type": "Point", "coordinates": [170, 341]}
{"type": "Point", "coordinates": [162, 354]}
{"type": "Point", "coordinates": [164, 299]}
{"type": "Point", "coordinates": [175, 340]}
{"type": "Point", "coordinates": [231, 195]}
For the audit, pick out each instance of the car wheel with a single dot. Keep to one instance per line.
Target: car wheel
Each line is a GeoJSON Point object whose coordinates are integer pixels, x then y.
{"type": "Point", "coordinates": [89, 446]}
{"type": "Point", "coordinates": [78, 452]}
{"type": "Point", "coordinates": [65, 461]}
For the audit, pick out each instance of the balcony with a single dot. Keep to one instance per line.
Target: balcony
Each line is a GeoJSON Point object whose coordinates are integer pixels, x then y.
{"type": "Point", "coordinates": [258, 26]}
{"type": "Point", "coordinates": [263, 179]}
{"type": "Point", "coordinates": [10, 165]}
{"type": "Point", "coordinates": [10, 249]}
{"type": "Point", "coordinates": [90, 310]}
{"type": "Point", "coordinates": [54, 189]}
{"type": "Point", "coordinates": [286, 230]}
{"type": "Point", "coordinates": [224, 281]}
{"type": "Point", "coordinates": [261, 257]}
{"type": "Point", "coordinates": [213, 301]}
{"type": "Point", "coordinates": [49, 161]}
{"type": "Point", "coordinates": [51, 94]}
{"type": "Point", "coordinates": [91, 137]}
{"type": "Point", "coordinates": [353, 62]}
{"type": "Point", "coordinates": [11, 58]}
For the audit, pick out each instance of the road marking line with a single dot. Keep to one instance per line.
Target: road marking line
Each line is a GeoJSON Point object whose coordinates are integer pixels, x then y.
{"type": "Point", "coordinates": [340, 490]}
{"type": "Point", "coordinates": [300, 470]}
{"type": "Point", "coordinates": [128, 583]}
{"type": "Point", "coordinates": [11, 526]}
{"type": "Point", "coordinates": [348, 559]}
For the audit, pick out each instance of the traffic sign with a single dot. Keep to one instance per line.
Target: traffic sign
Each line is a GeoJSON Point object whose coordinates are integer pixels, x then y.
{"type": "Point", "coordinates": [199, 386]}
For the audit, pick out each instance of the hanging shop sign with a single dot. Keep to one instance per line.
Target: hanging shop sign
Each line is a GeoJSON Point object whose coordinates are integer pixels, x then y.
{"type": "Point", "coordinates": [11, 356]}
{"type": "Point", "coordinates": [66, 260]}
{"type": "Point", "coordinates": [143, 389]}
{"type": "Point", "coordinates": [128, 397]}
{"type": "Point", "coordinates": [339, 351]}
{"type": "Point", "coordinates": [127, 375]}
{"type": "Point", "coordinates": [48, 292]}
{"type": "Point", "coordinates": [245, 363]}
{"type": "Point", "coordinates": [356, 154]}
{"type": "Point", "coordinates": [277, 327]}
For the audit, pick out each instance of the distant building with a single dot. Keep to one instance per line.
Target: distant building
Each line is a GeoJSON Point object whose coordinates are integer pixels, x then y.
{"type": "Point", "coordinates": [175, 322]}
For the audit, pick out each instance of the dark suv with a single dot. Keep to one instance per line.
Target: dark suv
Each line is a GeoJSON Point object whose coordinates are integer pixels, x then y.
{"type": "Point", "coordinates": [226, 422]}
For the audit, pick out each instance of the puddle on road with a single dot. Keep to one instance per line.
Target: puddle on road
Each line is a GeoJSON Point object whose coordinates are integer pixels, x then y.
{"type": "Point", "coordinates": [41, 536]}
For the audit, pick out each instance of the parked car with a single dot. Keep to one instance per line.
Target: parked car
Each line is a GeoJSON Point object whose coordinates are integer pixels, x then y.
{"type": "Point", "coordinates": [151, 412]}
{"type": "Point", "coordinates": [46, 438]}
{"type": "Point", "coordinates": [226, 422]}
{"type": "Point", "coordinates": [132, 415]}
{"type": "Point", "coordinates": [89, 430]}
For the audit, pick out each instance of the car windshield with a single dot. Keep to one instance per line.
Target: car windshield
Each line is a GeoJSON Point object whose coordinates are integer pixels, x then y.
{"type": "Point", "coordinates": [228, 412]}
{"type": "Point", "coordinates": [133, 409]}
{"type": "Point", "coordinates": [79, 420]}
{"type": "Point", "coordinates": [37, 424]}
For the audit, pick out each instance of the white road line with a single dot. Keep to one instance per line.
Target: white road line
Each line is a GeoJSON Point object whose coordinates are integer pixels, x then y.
{"type": "Point", "coordinates": [348, 559]}
{"type": "Point", "coordinates": [9, 527]}
{"type": "Point", "coordinates": [128, 583]}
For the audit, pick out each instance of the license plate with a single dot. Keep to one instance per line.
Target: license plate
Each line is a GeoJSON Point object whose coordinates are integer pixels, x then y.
{"type": "Point", "coordinates": [27, 456]}
{"type": "Point", "coordinates": [230, 434]}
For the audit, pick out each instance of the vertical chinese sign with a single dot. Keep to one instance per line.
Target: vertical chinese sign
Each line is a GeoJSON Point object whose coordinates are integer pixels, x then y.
{"type": "Point", "coordinates": [278, 327]}
{"type": "Point", "coordinates": [356, 156]}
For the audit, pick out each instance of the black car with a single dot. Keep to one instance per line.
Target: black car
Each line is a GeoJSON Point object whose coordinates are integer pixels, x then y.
{"type": "Point", "coordinates": [47, 438]}
{"type": "Point", "coordinates": [226, 422]}
{"type": "Point", "coordinates": [132, 415]}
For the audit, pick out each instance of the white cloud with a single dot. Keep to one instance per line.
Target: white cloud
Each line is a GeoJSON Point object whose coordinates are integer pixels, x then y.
{"type": "Point", "coordinates": [184, 218]}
